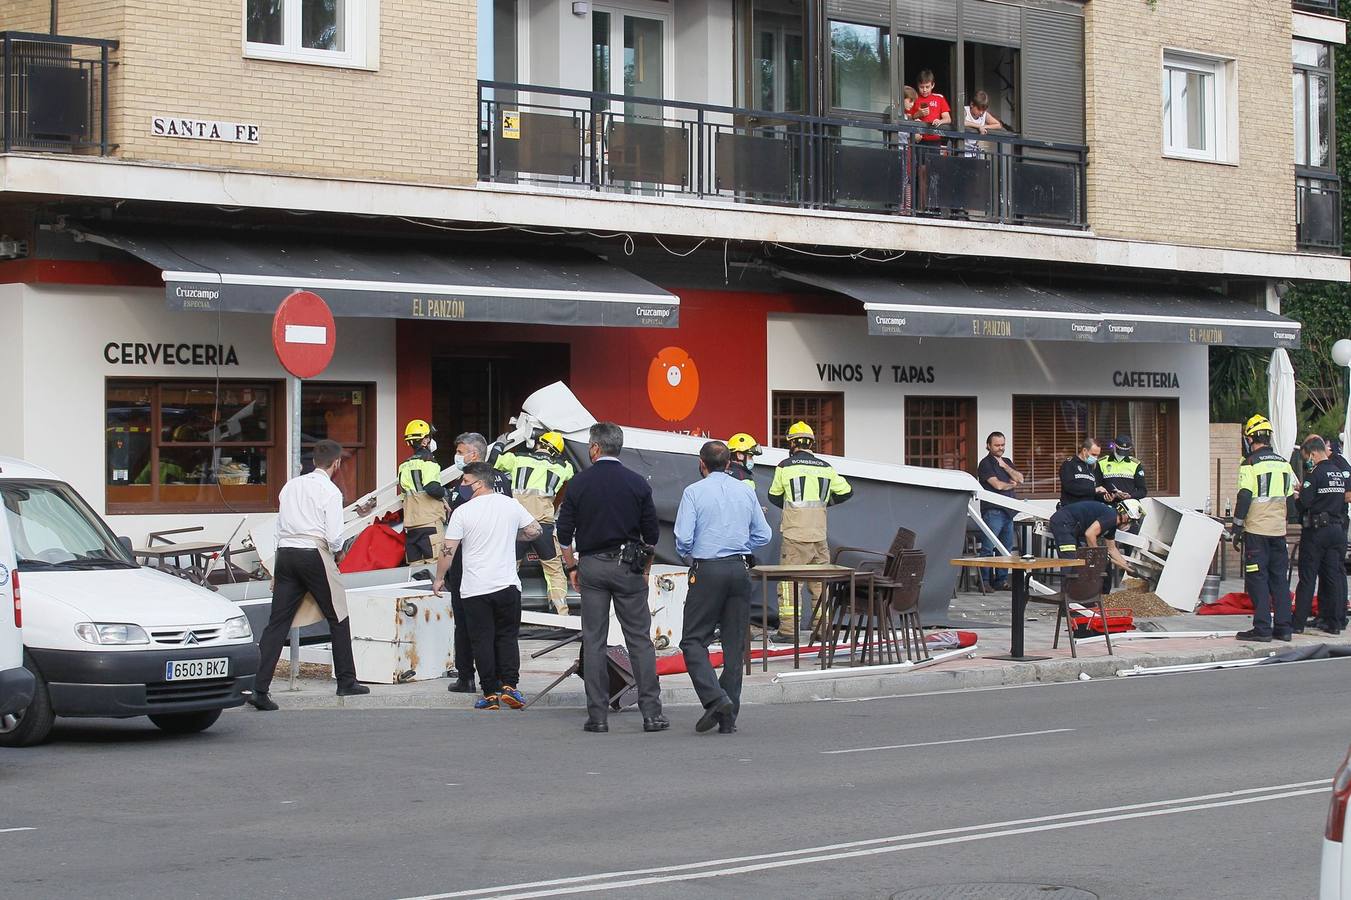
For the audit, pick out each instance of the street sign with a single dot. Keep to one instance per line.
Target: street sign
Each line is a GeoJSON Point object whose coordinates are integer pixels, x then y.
{"type": "Point", "coordinates": [303, 334]}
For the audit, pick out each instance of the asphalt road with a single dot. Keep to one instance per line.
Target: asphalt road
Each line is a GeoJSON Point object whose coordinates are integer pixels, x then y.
{"type": "Point", "coordinates": [1187, 786]}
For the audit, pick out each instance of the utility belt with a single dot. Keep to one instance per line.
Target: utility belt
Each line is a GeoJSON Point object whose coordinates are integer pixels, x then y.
{"type": "Point", "coordinates": [1322, 520]}
{"type": "Point", "coordinates": [631, 555]}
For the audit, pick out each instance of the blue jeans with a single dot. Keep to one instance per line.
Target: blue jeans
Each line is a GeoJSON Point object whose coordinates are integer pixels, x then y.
{"type": "Point", "coordinates": [999, 521]}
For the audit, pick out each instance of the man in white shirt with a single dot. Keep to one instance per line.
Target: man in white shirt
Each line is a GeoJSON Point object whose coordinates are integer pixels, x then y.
{"type": "Point", "coordinates": [309, 536]}
{"type": "Point", "coordinates": [484, 530]}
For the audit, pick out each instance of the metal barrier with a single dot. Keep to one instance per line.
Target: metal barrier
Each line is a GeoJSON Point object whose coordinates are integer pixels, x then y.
{"type": "Point", "coordinates": [55, 96]}
{"type": "Point", "coordinates": [1318, 210]}
{"type": "Point", "coordinates": [560, 138]}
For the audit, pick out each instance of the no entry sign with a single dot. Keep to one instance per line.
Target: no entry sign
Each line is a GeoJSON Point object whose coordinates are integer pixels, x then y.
{"type": "Point", "coordinates": [303, 334]}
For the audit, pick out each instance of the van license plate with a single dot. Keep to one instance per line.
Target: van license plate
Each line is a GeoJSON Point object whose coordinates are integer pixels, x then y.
{"type": "Point", "coordinates": [190, 669]}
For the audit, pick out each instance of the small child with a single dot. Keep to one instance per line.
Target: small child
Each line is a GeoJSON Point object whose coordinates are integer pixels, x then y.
{"type": "Point", "coordinates": [977, 116]}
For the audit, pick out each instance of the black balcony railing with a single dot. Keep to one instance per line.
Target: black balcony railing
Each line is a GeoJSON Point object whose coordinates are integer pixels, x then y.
{"type": "Point", "coordinates": [1318, 210]}
{"type": "Point", "coordinates": [1326, 7]}
{"type": "Point", "coordinates": [55, 96]}
{"type": "Point", "coordinates": [553, 137]}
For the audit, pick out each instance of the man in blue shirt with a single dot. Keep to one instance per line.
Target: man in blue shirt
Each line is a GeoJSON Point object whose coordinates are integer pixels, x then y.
{"type": "Point", "coordinates": [718, 525]}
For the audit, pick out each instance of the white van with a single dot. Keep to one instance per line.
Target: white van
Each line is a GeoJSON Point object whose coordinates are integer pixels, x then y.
{"type": "Point", "coordinates": [16, 682]}
{"type": "Point", "coordinates": [105, 637]}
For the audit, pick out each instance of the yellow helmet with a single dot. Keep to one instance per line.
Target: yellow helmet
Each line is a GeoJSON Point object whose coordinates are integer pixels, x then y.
{"type": "Point", "coordinates": [1256, 425]}
{"type": "Point", "coordinates": [741, 442]}
{"type": "Point", "coordinates": [417, 429]}
{"type": "Point", "coordinates": [551, 439]}
{"type": "Point", "coordinates": [800, 431]}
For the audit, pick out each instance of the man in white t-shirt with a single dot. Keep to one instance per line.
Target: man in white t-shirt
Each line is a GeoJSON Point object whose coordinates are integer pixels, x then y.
{"type": "Point", "coordinates": [484, 530]}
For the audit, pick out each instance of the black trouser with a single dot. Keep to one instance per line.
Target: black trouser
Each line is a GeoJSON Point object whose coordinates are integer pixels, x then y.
{"type": "Point", "coordinates": [1322, 560]}
{"type": "Point", "coordinates": [464, 657]}
{"type": "Point", "coordinates": [299, 571]}
{"type": "Point", "coordinates": [1266, 565]}
{"type": "Point", "coordinates": [719, 597]}
{"type": "Point", "coordinates": [493, 622]}
{"type": "Point", "coordinates": [417, 543]}
{"type": "Point", "coordinates": [603, 580]}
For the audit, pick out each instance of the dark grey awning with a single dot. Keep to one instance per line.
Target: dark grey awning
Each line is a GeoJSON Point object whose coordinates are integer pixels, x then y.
{"type": "Point", "coordinates": [409, 279]}
{"type": "Point", "coordinates": [926, 306]}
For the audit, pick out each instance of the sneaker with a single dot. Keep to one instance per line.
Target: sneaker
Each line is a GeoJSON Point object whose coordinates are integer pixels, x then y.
{"type": "Point", "coordinates": [488, 701]}
{"type": "Point", "coordinates": [1253, 635]}
{"type": "Point", "coordinates": [512, 697]}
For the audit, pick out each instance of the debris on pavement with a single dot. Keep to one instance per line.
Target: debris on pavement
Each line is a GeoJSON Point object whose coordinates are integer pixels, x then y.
{"type": "Point", "coordinates": [1135, 596]}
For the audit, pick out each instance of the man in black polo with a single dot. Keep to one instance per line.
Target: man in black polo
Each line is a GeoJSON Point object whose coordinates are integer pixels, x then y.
{"type": "Point", "coordinates": [1079, 475]}
{"type": "Point", "coordinates": [997, 474]}
{"type": "Point", "coordinates": [608, 512]}
{"type": "Point", "coordinates": [1322, 540]}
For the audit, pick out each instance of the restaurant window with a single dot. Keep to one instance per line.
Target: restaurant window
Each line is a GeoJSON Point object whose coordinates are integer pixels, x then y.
{"type": "Point", "coordinates": [938, 432]}
{"type": "Point", "coordinates": [1047, 430]}
{"type": "Point", "coordinates": [824, 412]}
{"type": "Point", "coordinates": [344, 413]}
{"type": "Point", "coordinates": [191, 446]}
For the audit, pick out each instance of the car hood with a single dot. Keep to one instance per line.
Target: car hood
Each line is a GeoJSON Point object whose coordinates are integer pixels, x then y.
{"type": "Point", "coordinates": [138, 596]}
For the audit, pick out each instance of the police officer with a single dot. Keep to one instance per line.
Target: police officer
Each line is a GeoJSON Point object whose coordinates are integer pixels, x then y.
{"type": "Point", "coordinates": [1265, 481]}
{"type": "Point", "coordinates": [744, 449]}
{"type": "Point", "coordinates": [1122, 474]}
{"type": "Point", "coordinates": [803, 487]}
{"type": "Point", "coordinates": [1322, 542]}
{"type": "Point", "coordinates": [1090, 521]}
{"type": "Point", "coordinates": [536, 479]}
{"type": "Point", "coordinates": [424, 497]}
{"type": "Point", "coordinates": [1079, 475]}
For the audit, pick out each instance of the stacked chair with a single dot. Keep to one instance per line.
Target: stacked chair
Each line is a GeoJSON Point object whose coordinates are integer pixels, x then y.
{"type": "Point", "coordinates": [892, 616]}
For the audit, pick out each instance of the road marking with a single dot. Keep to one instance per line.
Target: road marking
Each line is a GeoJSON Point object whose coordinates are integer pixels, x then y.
{"type": "Point", "coordinates": [872, 846]}
{"type": "Point", "coordinates": [12, 830]}
{"type": "Point", "coordinates": [993, 737]}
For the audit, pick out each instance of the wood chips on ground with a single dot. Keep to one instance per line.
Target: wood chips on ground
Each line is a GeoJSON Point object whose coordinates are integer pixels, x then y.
{"type": "Point", "coordinates": [1142, 603]}
{"type": "Point", "coordinates": [307, 670]}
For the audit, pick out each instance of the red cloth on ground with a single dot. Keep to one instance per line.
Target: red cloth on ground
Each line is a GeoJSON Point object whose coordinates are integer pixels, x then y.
{"type": "Point", "coordinates": [377, 547]}
{"type": "Point", "coordinates": [1239, 604]}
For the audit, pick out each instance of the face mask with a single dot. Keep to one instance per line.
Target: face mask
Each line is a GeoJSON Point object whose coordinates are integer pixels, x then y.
{"type": "Point", "coordinates": [431, 446]}
{"type": "Point", "coordinates": [1091, 460]}
{"type": "Point", "coordinates": [459, 460]}
{"type": "Point", "coordinates": [466, 493]}
{"type": "Point", "coordinates": [1308, 465]}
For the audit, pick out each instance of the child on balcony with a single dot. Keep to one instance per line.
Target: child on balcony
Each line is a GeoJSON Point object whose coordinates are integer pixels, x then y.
{"type": "Point", "coordinates": [977, 117]}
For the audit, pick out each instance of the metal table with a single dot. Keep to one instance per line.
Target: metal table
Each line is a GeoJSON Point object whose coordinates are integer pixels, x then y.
{"type": "Point", "coordinates": [798, 575]}
{"type": "Point", "coordinates": [199, 552]}
{"type": "Point", "coordinates": [1020, 568]}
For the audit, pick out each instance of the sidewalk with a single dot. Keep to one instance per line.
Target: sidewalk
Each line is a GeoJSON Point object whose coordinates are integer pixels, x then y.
{"type": "Point", "coordinates": [988, 615]}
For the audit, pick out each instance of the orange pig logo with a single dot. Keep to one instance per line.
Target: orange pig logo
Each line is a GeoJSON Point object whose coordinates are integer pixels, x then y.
{"type": "Point", "coordinates": [673, 384]}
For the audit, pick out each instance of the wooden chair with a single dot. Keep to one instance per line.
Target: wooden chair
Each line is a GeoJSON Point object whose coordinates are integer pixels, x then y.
{"type": "Point", "coordinates": [1081, 585]}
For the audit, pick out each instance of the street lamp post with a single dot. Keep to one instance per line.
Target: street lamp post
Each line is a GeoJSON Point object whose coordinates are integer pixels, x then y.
{"type": "Point", "coordinates": [1341, 355]}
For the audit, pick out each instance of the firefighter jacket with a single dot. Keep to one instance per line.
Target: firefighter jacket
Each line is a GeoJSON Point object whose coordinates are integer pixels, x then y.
{"type": "Point", "coordinates": [536, 478]}
{"type": "Point", "coordinates": [424, 495]}
{"type": "Point", "coordinates": [1265, 480]}
{"type": "Point", "coordinates": [741, 472]}
{"type": "Point", "coordinates": [804, 485]}
{"type": "Point", "coordinates": [1127, 474]}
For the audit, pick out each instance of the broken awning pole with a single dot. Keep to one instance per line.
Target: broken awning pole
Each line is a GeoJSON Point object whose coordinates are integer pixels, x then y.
{"type": "Point", "coordinates": [973, 510]}
{"type": "Point", "coordinates": [1189, 667]}
{"type": "Point", "coordinates": [1148, 635]}
{"type": "Point", "coordinates": [857, 671]}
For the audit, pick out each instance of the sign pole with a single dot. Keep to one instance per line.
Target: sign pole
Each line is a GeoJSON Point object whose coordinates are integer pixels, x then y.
{"type": "Point", "coordinates": [293, 384]}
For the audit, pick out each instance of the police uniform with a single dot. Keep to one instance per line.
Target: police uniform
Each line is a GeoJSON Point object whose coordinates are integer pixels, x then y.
{"type": "Point", "coordinates": [804, 486]}
{"type": "Point", "coordinates": [1078, 481]}
{"type": "Point", "coordinates": [1322, 546]}
{"type": "Point", "coordinates": [536, 479]}
{"type": "Point", "coordinates": [1265, 481]}
{"type": "Point", "coordinates": [1125, 475]}
{"type": "Point", "coordinates": [424, 507]}
{"type": "Point", "coordinates": [1069, 522]}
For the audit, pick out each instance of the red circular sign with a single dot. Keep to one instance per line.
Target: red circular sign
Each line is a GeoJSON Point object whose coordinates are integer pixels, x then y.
{"type": "Point", "coordinates": [303, 334]}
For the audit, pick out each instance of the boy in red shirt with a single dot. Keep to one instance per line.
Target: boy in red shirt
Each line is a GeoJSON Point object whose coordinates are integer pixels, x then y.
{"type": "Point", "coordinates": [932, 108]}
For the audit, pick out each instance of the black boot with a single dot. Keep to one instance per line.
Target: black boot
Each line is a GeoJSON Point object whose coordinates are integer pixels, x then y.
{"type": "Point", "coordinates": [462, 686]}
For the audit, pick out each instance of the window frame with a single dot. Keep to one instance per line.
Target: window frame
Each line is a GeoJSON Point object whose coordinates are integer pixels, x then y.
{"type": "Point", "coordinates": [778, 424]}
{"type": "Point", "coordinates": [274, 448]}
{"type": "Point", "coordinates": [363, 451]}
{"type": "Point", "coordinates": [966, 419]}
{"type": "Point", "coordinates": [1307, 72]}
{"type": "Point", "coordinates": [1221, 124]}
{"type": "Point", "coordinates": [362, 24]}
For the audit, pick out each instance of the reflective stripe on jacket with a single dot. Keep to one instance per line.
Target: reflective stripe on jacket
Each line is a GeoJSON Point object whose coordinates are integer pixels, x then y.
{"type": "Point", "coordinates": [1267, 479]}
{"type": "Point", "coordinates": [804, 485]}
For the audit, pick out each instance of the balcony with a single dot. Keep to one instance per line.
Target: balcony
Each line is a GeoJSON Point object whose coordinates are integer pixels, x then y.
{"type": "Point", "coordinates": [55, 96]}
{"type": "Point", "coordinates": [1323, 7]}
{"type": "Point", "coordinates": [556, 139]}
{"type": "Point", "coordinates": [1318, 210]}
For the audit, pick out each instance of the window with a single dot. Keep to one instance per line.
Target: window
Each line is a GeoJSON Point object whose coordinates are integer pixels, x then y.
{"type": "Point", "coordinates": [343, 413]}
{"type": "Point", "coordinates": [1196, 104]}
{"type": "Point", "coordinates": [1047, 430]}
{"type": "Point", "coordinates": [824, 412]}
{"type": "Point", "coordinates": [1313, 104]}
{"type": "Point", "coordinates": [938, 432]}
{"type": "Point", "coordinates": [200, 446]}
{"type": "Point", "coordinates": [860, 67]}
{"type": "Point", "coordinates": [321, 32]}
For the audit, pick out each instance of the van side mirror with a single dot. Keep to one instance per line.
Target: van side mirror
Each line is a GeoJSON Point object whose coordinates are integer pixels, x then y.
{"type": "Point", "coordinates": [125, 542]}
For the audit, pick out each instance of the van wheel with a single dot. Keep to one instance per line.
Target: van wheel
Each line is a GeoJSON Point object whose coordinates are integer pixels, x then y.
{"type": "Point", "coordinates": [33, 725]}
{"type": "Point", "coordinates": [186, 723]}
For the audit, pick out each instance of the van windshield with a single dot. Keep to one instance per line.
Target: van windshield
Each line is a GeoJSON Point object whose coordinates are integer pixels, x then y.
{"type": "Point", "coordinates": [54, 529]}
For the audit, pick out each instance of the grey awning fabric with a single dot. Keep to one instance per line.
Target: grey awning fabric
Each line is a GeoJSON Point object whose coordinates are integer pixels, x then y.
{"type": "Point", "coordinates": [928, 306]}
{"type": "Point", "coordinates": [407, 279]}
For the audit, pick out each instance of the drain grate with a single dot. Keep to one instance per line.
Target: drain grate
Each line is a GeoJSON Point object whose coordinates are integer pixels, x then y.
{"type": "Point", "coordinates": [993, 891]}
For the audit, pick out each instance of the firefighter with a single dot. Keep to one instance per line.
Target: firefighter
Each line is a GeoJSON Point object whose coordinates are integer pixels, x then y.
{"type": "Point", "coordinates": [803, 487]}
{"type": "Point", "coordinates": [1089, 521]}
{"type": "Point", "coordinates": [536, 479]}
{"type": "Point", "coordinates": [1265, 481]}
{"type": "Point", "coordinates": [1122, 474]}
{"type": "Point", "coordinates": [744, 450]}
{"type": "Point", "coordinates": [1322, 540]}
{"type": "Point", "coordinates": [424, 496]}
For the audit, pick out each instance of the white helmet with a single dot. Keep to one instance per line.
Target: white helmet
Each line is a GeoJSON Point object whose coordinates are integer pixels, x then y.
{"type": "Point", "coordinates": [1132, 509]}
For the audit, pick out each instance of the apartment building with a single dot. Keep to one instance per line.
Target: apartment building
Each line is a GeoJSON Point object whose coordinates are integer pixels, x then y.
{"type": "Point", "coordinates": [706, 216]}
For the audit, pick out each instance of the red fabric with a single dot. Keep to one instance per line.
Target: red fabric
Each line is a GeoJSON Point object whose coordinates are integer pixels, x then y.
{"type": "Point", "coordinates": [377, 547]}
{"type": "Point", "coordinates": [1238, 604]}
{"type": "Point", "coordinates": [674, 663]}
{"type": "Point", "coordinates": [929, 110]}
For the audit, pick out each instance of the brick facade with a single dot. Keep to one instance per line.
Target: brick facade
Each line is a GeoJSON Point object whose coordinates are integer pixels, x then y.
{"type": "Point", "coordinates": [1134, 191]}
{"type": "Point", "coordinates": [411, 120]}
